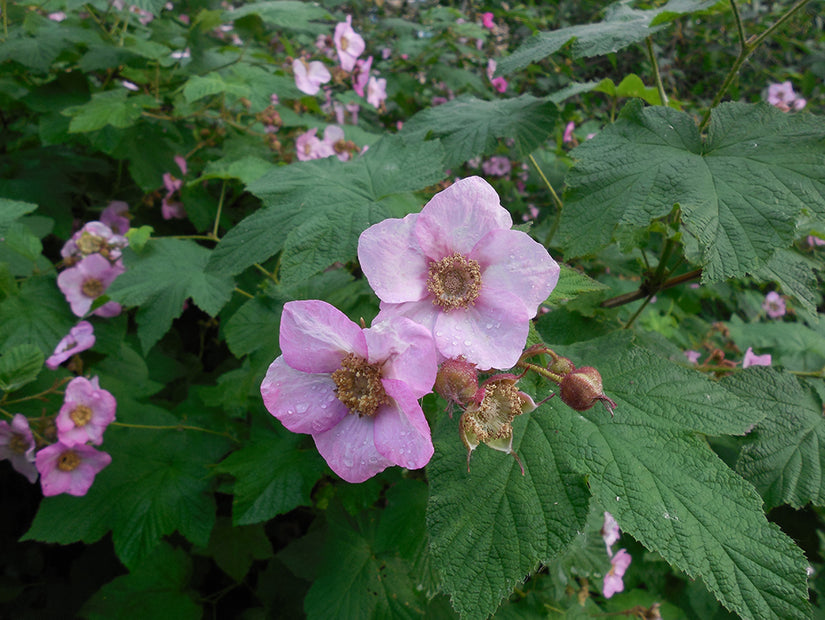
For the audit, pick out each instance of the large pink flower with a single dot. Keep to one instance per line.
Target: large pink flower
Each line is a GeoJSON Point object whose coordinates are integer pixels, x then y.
{"type": "Point", "coordinates": [354, 390]}
{"type": "Point", "coordinates": [17, 445]}
{"type": "Point", "coordinates": [69, 469]}
{"type": "Point", "coordinates": [310, 76]}
{"type": "Point", "coordinates": [348, 43]}
{"type": "Point", "coordinates": [87, 281]}
{"type": "Point", "coordinates": [86, 412]}
{"type": "Point", "coordinates": [458, 269]}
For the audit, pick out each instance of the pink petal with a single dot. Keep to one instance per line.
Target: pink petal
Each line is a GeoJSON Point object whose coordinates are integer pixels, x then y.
{"type": "Point", "coordinates": [456, 219]}
{"type": "Point", "coordinates": [349, 449]}
{"type": "Point", "coordinates": [512, 261]}
{"type": "Point", "coordinates": [490, 334]}
{"type": "Point", "coordinates": [392, 261]}
{"type": "Point", "coordinates": [407, 351]}
{"type": "Point", "coordinates": [303, 402]}
{"type": "Point", "coordinates": [316, 336]}
{"type": "Point", "coordinates": [402, 434]}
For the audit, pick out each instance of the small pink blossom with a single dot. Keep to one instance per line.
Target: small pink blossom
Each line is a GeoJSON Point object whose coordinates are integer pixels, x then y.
{"type": "Point", "coordinates": [491, 69]}
{"type": "Point", "coordinates": [774, 305]}
{"type": "Point", "coordinates": [69, 469]}
{"type": "Point", "coordinates": [354, 390]}
{"type": "Point", "coordinates": [693, 356]}
{"type": "Point", "coordinates": [458, 269]}
{"type": "Point", "coordinates": [334, 138]}
{"type": "Point", "coordinates": [79, 338]}
{"type": "Point", "coordinates": [116, 217]}
{"type": "Point", "coordinates": [610, 532]}
{"type": "Point", "coordinates": [17, 445]}
{"type": "Point", "coordinates": [361, 76]}
{"type": "Point", "coordinates": [170, 207]}
{"type": "Point", "coordinates": [353, 108]}
{"type": "Point", "coordinates": [86, 412]}
{"type": "Point", "coordinates": [348, 44]}
{"type": "Point", "coordinates": [782, 96]}
{"type": "Point", "coordinates": [499, 84]}
{"type": "Point", "coordinates": [129, 85]}
{"type": "Point", "coordinates": [310, 76]}
{"type": "Point", "coordinates": [752, 359]}
{"type": "Point", "coordinates": [87, 281]}
{"type": "Point", "coordinates": [94, 238]}
{"type": "Point", "coordinates": [487, 21]}
{"type": "Point", "coordinates": [309, 146]}
{"type": "Point", "coordinates": [497, 166]}
{"type": "Point", "coordinates": [376, 91]}
{"type": "Point", "coordinates": [568, 132]}
{"type": "Point", "coordinates": [57, 16]}
{"type": "Point", "coordinates": [814, 241]}
{"type": "Point", "coordinates": [613, 580]}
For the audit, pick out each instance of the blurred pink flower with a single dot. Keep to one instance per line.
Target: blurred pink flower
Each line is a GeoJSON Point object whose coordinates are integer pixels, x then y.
{"type": "Point", "coordinates": [353, 108]}
{"type": "Point", "coordinates": [752, 359]}
{"type": "Point", "coordinates": [500, 84]}
{"type": "Point", "coordinates": [613, 581]}
{"type": "Point", "coordinates": [376, 91]}
{"type": "Point", "coordinates": [814, 241]}
{"type": "Point", "coordinates": [568, 132]}
{"type": "Point", "coordinates": [86, 412]}
{"type": "Point", "coordinates": [169, 207]}
{"type": "Point", "coordinates": [79, 338]}
{"type": "Point", "coordinates": [610, 532]}
{"type": "Point", "coordinates": [310, 76]}
{"type": "Point", "coordinates": [693, 356]}
{"type": "Point", "coordinates": [17, 445]}
{"type": "Point", "coordinates": [57, 16]}
{"type": "Point", "coordinates": [361, 75]}
{"type": "Point", "coordinates": [354, 390]}
{"type": "Point", "coordinates": [458, 269]}
{"type": "Point", "coordinates": [487, 21]}
{"type": "Point", "coordinates": [782, 96]}
{"type": "Point", "coordinates": [774, 305]}
{"type": "Point", "coordinates": [497, 166]}
{"type": "Point", "coordinates": [309, 146]}
{"type": "Point", "coordinates": [348, 44]}
{"type": "Point", "coordinates": [87, 281]}
{"type": "Point", "coordinates": [94, 238]}
{"type": "Point", "coordinates": [116, 217]}
{"type": "Point", "coordinates": [69, 469]}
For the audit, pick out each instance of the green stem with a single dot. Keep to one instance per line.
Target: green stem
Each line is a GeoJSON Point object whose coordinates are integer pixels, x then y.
{"type": "Point", "coordinates": [173, 427]}
{"type": "Point", "coordinates": [541, 370]}
{"type": "Point", "coordinates": [638, 311]}
{"type": "Point", "coordinates": [747, 48]}
{"type": "Point", "coordinates": [244, 293]}
{"type": "Point", "coordinates": [220, 208]}
{"type": "Point", "coordinates": [556, 201]}
{"type": "Point", "coordinates": [656, 75]}
{"type": "Point", "coordinates": [740, 28]}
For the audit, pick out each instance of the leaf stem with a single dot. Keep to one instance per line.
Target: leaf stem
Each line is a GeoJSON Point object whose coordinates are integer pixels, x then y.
{"type": "Point", "coordinates": [642, 292]}
{"type": "Point", "coordinates": [656, 75]}
{"type": "Point", "coordinates": [174, 427]}
{"type": "Point", "coordinates": [556, 201]}
{"type": "Point", "coordinates": [244, 293]}
{"type": "Point", "coordinates": [541, 370]}
{"type": "Point", "coordinates": [220, 208]}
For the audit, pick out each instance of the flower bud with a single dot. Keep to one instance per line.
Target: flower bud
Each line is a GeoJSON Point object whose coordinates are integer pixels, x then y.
{"type": "Point", "coordinates": [457, 381]}
{"type": "Point", "coordinates": [561, 366]}
{"type": "Point", "coordinates": [581, 388]}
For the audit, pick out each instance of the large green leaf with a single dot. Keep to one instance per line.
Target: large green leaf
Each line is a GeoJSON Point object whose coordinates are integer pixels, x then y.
{"type": "Point", "coordinates": [286, 14]}
{"type": "Point", "coordinates": [111, 107]}
{"type": "Point", "coordinates": [38, 315]}
{"type": "Point", "coordinates": [316, 210]}
{"type": "Point", "coordinates": [784, 456]}
{"type": "Point", "coordinates": [740, 190]}
{"type": "Point", "coordinates": [157, 483]}
{"type": "Point", "coordinates": [469, 127]}
{"type": "Point", "coordinates": [622, 26]}
{"type": "Point", "coordinates": [20, 365]}
{"type": "Point", "coordinates": [10, 210]}
{"type": "Point", "coordinates": [155, 588]}
{"type": "Point", "coordinates": [673, 494]}
{"type": "Point", "coordinates": [161, 278]}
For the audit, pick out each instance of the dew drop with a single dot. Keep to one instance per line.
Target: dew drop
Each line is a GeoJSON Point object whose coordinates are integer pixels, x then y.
{"type": "Point", "coordinates": [467, 343]}
{"type": "Point", "coordinates": [301, 407]}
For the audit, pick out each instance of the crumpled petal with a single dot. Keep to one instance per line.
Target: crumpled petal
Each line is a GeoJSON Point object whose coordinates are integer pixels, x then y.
{"type": "Point", "coordinates": [407, 351]}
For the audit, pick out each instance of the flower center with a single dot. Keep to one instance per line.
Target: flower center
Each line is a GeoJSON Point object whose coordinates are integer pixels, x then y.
{"type": "Point", "coordinates": [454, 281]}
{"type": "Point", "coordinates": [89, 244]}
{"type": "Point", "coordinates": [92, 287]}
{"type": "Point", "coordinates": [344, 44]}
{"type": "Point", "coordinates": [68, 461]}
{"type": "Point", "coordinates": [18, 443]}
{"type": "Point", "coordinates": [492, 419]}
{"type": "Point", "coordinates": [81, 415]}
{"type": "Point", "coordinates": [358, 386]}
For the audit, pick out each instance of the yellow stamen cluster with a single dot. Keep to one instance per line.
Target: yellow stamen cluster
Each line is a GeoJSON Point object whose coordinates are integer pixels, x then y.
{"type": "Point", "coordinates": [358, 386]}
{"type": "Point", "coordinates": [81, 415]}
{"type": "Point", "coordinates": [92, 287]}
{"type": "Point", "coordinates": [68, 461]}
{"type": "Point", "coordinates": [454, 281]}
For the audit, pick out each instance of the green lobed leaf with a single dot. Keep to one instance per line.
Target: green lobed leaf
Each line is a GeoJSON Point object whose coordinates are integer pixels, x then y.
{"type": "Point", "coordinates": [315, 210]}
{"type": "Point", "coordinates": [161, 278]}
{"type": "Point", "coordinates": [792, 345]}
{"type": "Point", "coordinates": [111, 107]}
{"type": "Point", "coordinates": [674, 495]}
{"type": "Point", "coordinates": [287, 14]}
{"type": "Point", "coordinates": [740, 192]}
{"type": "Point", "coordinates": [155, 588]}
{"type": "Point", "coordinates": [247, 169]}
{"type": "Point", "coordinates": [157, 483]}
{"type": "Point", "coordinates": [234, 548]}
{"type": "Point", "coordinates": [198, 87]}
{"type": "Point", "coordinates": [795, 273]}
{"type": "Point", "coordinates": [622, 26]}
{"type": "Point", "coordinates": [783, 457]}
{"type": "Point", "coordinates": [491, 527]}
{"type": "Point", "coordinates": [20, 365]}
{"type": "Point", "coordinates": [469, 127]}
{"type": "Point", "coordinates": [571, 284]}
{"type": "Point", "coordinates": [37, 315]}
{"type": "Point", "coordinates": [272, 476]}
{"type": "Point", "coordinates": [11, 210]}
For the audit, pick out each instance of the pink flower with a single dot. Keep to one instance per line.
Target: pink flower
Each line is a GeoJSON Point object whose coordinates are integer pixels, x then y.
{"type": "Point", "coordinates": [69, 469]}
{"type": "Point", "coordinates": [310, 76]}
{"type": "Point", "coordinates": [774, 305]}
{"type": "Point", "coordinates": [116, 217]}
{"type": "Point", "coordinates": [361, 75]}
{"type": "Point", "coordinates": [58, 16]}
{"type": "Point", "coordinates": [87, 281]}
{"type": "Point", "coordinates": [487, 21]}
{"type": "Point", "coordinates": [783, 97]}
{"type": "Point", "coordinates": [79, 338]}
{"type": "Point", "coordinates": [309, 146]}
{"type": "Point", "coordinates": [17, 445]}
{"type": "Point", "coordinates": [353, 108]}
{"type": "Point", "coordinates": [86, 412]}
{"type": "Point", "coordinates": [618, 566]}
{"type": "Point", "coordinates": [94, 238]}
{"type": "Point", "coordinates": [170, 208]}
{"type": "Point", "coordinates": [497, 166]}
{"type": "Point", "coordinates": [491, 69]}
{"type": "Point", "coordinates": [334, 138]}
{"type": "Point", "coordinates": [610, 532]}
{"type": "Point", "coordinates": [500, 84]}
{"type": "Point", "coordinates": [458, 269]}
{"type": "Point", "coordinates": [354, 390]}
{"type": "Point", "coordinates": [376, 91]}
{"type": "Point", "coordinates": [568, 132]}
{"type": "Point", "coordinates": [693, 356]}
{"type": "Point", "coordinates": [752, 359]}
{"type": "Point", "coordinates": [348, 44]}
